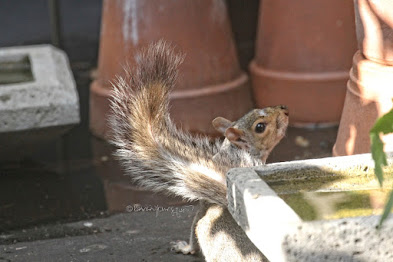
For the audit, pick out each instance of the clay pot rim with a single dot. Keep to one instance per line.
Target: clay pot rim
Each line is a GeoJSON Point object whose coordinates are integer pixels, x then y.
{"type": "Point", "coordinates": [366, 87]}
{"type": "Point", "coordinates": [361, 90]}
{"type": "Point", "coordinates": [211, 89]}
{"type": "Point", "coordinates": [359, 58]}
{"type": "Point", "coordinates": [101, 89]}
{"type": "Point", "coordinates": [313, 126]}
{"type": "Point", "coordinates": [298, 76]}
{"type": "Point", "coordinates": [98, 88]}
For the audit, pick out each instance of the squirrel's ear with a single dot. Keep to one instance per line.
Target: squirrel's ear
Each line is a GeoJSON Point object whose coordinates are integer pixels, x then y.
{"type": "Point", "coordinates": [236, 137]}
{"type": "Point", "coordinates": [221, 124]}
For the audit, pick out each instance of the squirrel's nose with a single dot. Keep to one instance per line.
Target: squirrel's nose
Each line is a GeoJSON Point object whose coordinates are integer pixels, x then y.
{"type": "Point", "coordinates": [285, 109]}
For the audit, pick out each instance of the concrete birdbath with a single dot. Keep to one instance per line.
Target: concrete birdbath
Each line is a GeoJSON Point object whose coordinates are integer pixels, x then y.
{"type": "Point", "coordinates": [38, 97]}
{"type": "Point", "coordinates": [314, 210]}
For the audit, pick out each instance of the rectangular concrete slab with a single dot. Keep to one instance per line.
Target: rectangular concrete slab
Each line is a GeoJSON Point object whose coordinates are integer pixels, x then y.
{"type": "Point", "coordinates": [264, 216]}
{"type": "Point", "coordinates": [37, 92]}
{"type": "Point", "coordinates": [281, 235]}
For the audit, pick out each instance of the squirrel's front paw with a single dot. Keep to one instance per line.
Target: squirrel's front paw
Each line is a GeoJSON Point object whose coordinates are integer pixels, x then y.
{"type": "Point", "coordinates": [183, 247]}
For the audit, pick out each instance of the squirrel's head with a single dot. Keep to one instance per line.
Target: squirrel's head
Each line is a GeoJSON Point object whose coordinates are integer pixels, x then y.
{"type": "Point", "coordinates": [257, 132]}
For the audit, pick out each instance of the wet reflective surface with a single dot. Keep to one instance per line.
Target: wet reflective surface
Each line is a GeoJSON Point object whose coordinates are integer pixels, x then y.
{"type": "Point", "coordinates": [15, 69]}
{"type": "Point", "coordinates": [33, 193]}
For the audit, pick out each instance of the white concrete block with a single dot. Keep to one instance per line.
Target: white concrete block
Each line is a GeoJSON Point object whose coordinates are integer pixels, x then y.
{"type": "Point", "coordinates": [37, 92]}
{"type": "Point", "coordinates": [281, 235]}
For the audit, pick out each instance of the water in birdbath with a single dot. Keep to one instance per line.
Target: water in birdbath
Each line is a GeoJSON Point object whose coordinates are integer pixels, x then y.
{"type": "Point", "coordinates": [15, 69]}
{"type": "Point", "coordinates": [315, 193]}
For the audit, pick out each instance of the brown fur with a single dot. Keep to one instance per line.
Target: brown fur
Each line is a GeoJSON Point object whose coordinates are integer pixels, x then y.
{"type": "Point", "coordinates": [160, 157]}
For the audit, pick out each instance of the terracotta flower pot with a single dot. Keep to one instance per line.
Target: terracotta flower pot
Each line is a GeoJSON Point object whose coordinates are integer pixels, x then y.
{"type": "Point", "coordinates": [369, 96]}
{"type": "Point", "coordinates": [210, 83]}
{"type": "Point", "coordinates": [303, 56]}
{"type": "Point", "coordinates": [374, 29]}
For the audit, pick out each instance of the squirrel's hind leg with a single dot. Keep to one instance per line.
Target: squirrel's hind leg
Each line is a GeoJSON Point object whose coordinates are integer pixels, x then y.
{"type": "Point", "coordinates": [185, 248]}
{"type": "Point", "coordinates": [192, 246]}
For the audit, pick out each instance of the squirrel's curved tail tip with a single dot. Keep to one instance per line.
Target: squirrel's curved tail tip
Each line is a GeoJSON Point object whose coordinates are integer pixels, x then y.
{"type": "Point", "coordinates": [141, 93]}
{"type": "Point", "coordinates": [158, 63]}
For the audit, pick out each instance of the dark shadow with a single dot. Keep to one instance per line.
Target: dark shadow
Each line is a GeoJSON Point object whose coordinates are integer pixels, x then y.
{"type": "Point", "coordinates": [244, 20]}
{"type": "Point", "coordinates": [32, 194]}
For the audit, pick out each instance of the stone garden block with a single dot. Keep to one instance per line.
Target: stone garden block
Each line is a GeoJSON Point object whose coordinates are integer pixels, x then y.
{"type": "Point", "coordinates": [314, 210]}
{"type": "Point", "coordinates": [38, 97]}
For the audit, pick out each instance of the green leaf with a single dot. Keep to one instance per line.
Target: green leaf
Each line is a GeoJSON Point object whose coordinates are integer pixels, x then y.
{"type": "Point", "coordinates": [384, 124]}
{"type": "Point", "coordinates": [378, 155]}
{"type": "Point", "coordinates": [388, 209]}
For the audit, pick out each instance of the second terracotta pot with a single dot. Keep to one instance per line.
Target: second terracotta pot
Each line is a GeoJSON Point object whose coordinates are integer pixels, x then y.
{"type": "Point", "coordinates": [210, 82]}
{"type": "Point", "coordinates": [369, 96]}
{"type": "Point", "coordinates": [303, 55]}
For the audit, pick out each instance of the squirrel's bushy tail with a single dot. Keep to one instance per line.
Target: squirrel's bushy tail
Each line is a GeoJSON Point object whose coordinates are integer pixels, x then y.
{"type": "Point", "coordinates": [157, 155]}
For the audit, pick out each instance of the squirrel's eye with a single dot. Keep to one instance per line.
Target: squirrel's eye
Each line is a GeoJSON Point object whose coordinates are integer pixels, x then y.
{"type": "Point", "coordinates": [260, 127]}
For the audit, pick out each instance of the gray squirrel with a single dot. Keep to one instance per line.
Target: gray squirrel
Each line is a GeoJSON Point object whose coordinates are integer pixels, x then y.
{"type": "Point", "coordinates": [162, 158]}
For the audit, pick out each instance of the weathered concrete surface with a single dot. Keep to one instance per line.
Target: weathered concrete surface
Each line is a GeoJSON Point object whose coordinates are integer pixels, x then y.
{"type": "Point", "coordinates": [133, 236]}
{"type": "Point", "coordinates": [49, 101]}
{"type": "Point", "coordinates": [282, 236]}
{"type": "Point", "coordinates": [352, 239]}
{"type": "Point", "coordinates": [264, 216]}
